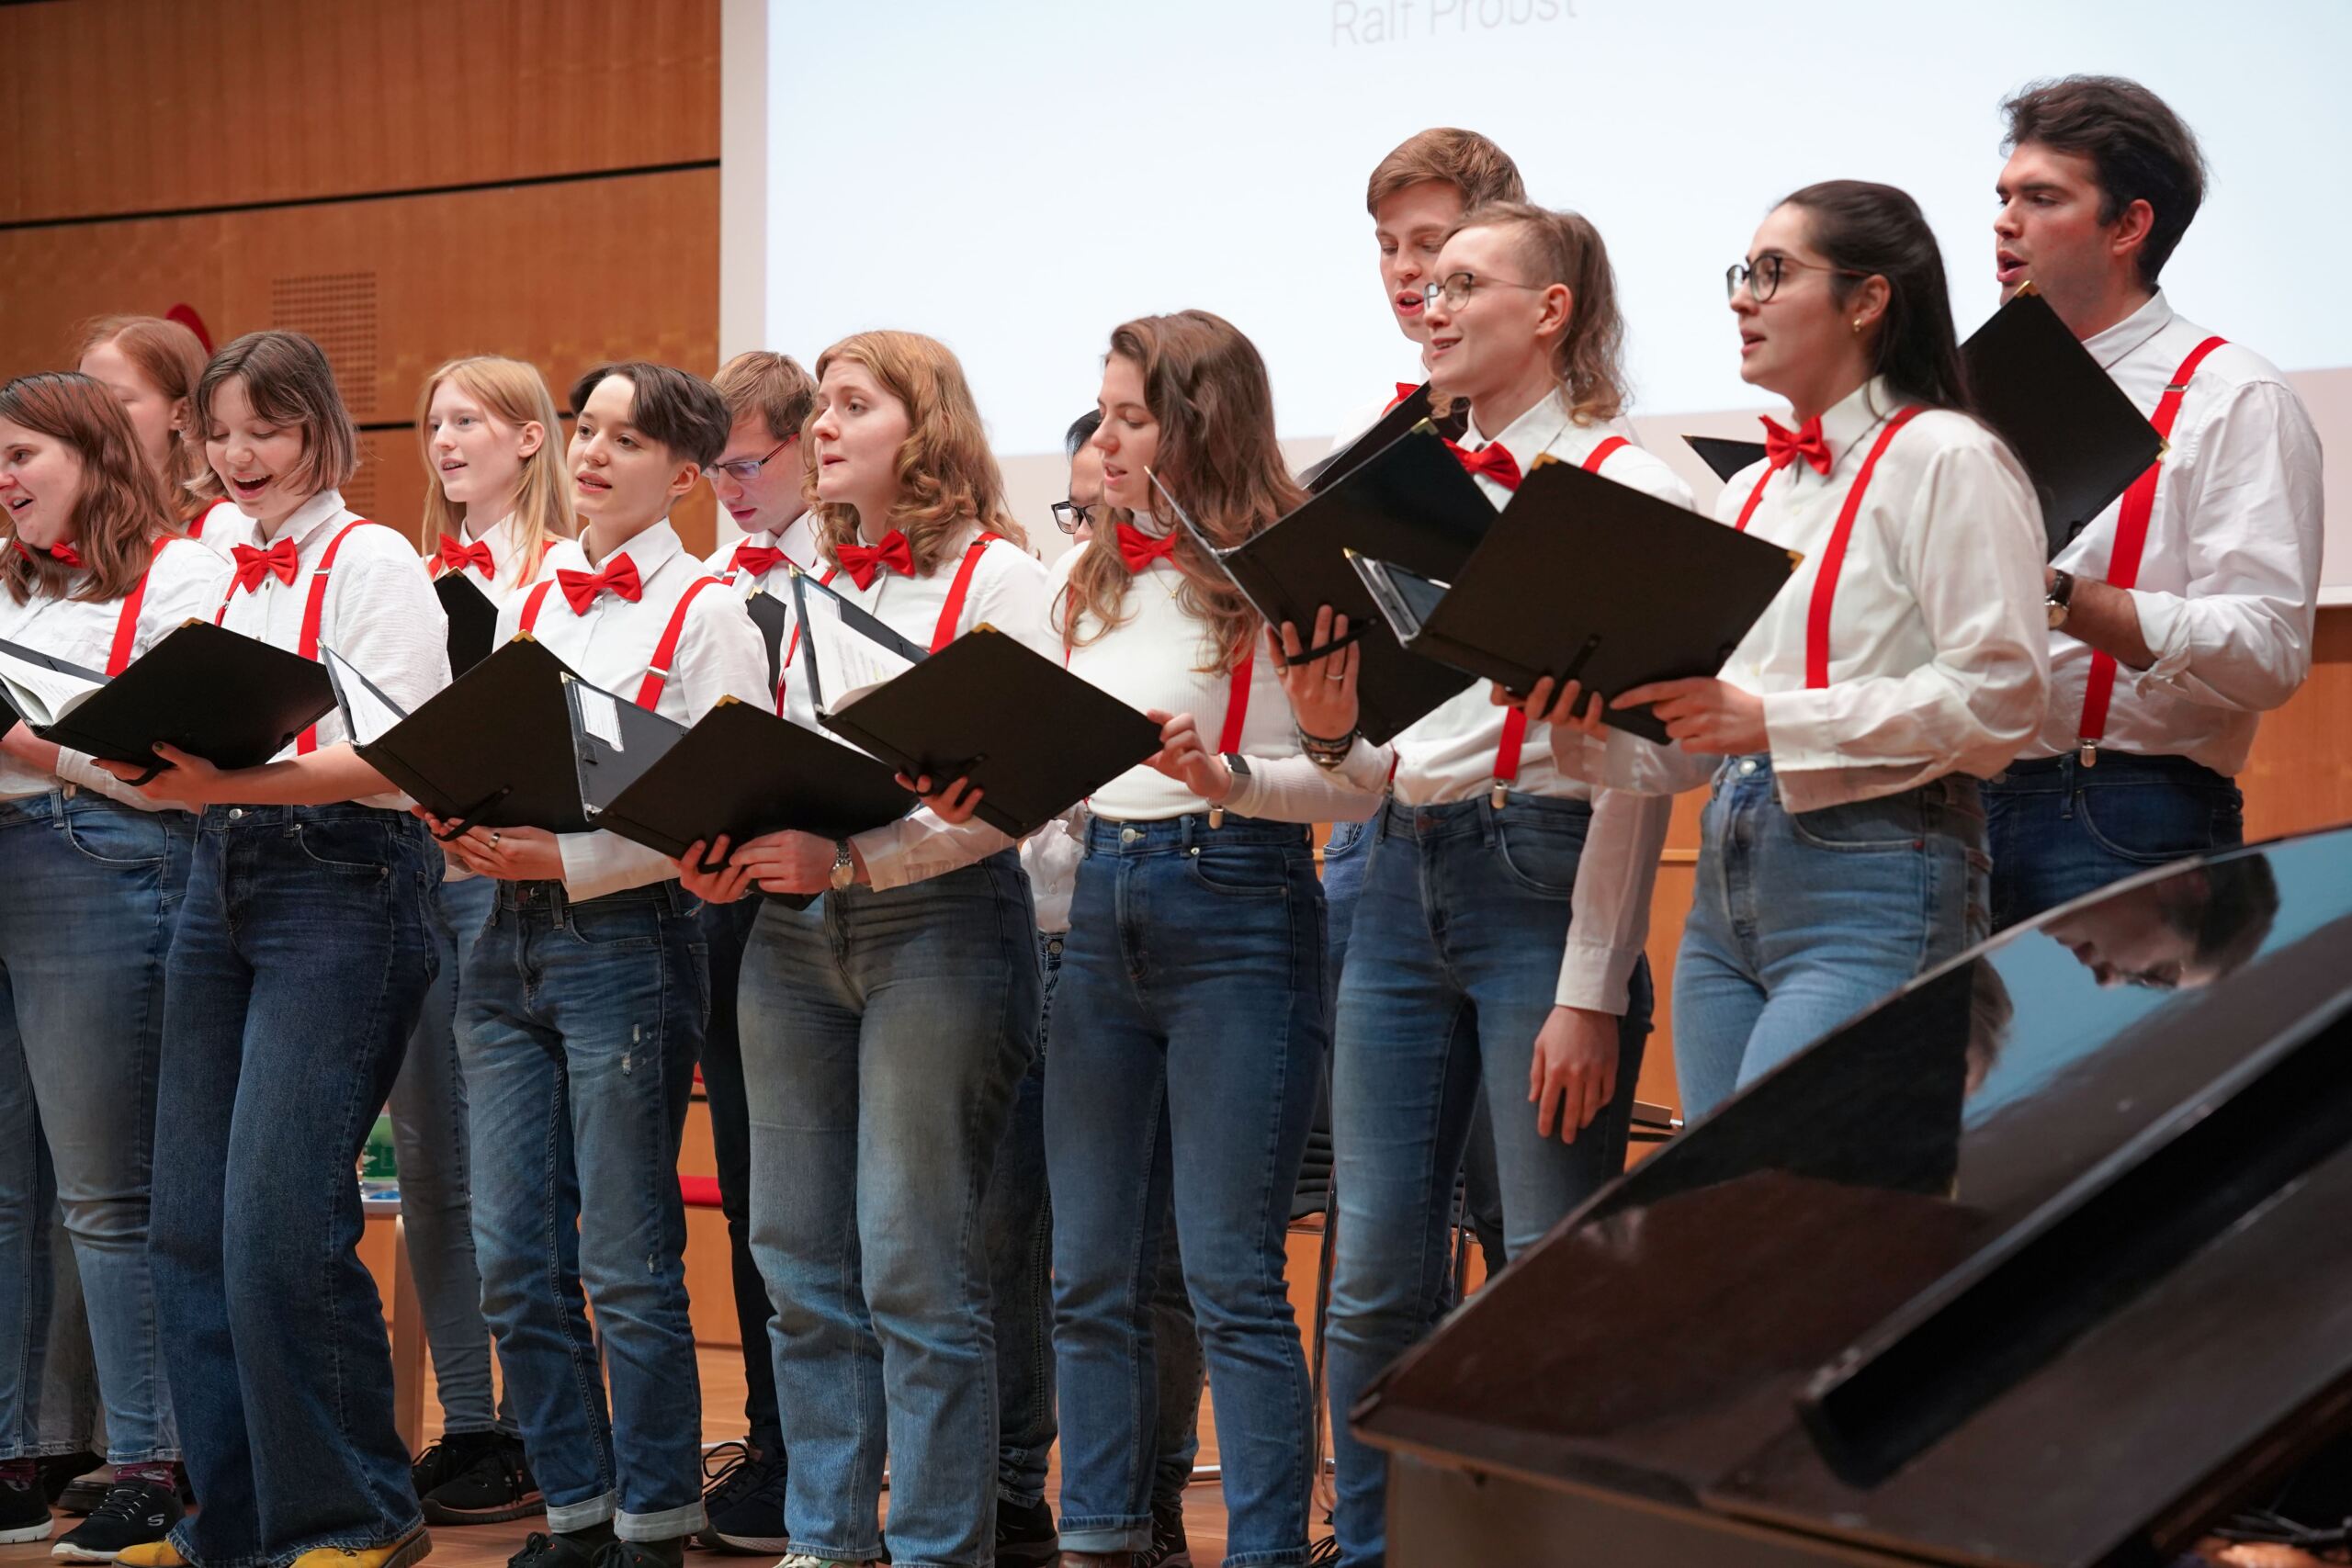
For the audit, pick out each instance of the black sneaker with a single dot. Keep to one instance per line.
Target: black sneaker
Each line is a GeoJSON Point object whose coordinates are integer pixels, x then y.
{"type": "Point", "coordinates": [669, 1553]}
{"type": "Point", "coordinates": [541, 1549]}
{"type": "Point", "coordinates": [745, 1502]}
{"type": "Point", "coordinates": [443, 1460]}
{"type": "Point", "coordinates": [1026, 1536]}
{"type": "Point", "coordinates": [1168, 1548]}
{"type": "Point", "coordinates": [62, 1477]}
{"type": "Point", "coordinates": [495, 1487]}
{"type": "Point", "coordinates": [24, 1511]}
{"type": "Point", "coordinates": [134, 1512]}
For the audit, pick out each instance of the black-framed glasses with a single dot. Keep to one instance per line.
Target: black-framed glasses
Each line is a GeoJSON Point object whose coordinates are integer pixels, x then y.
{"type": "Point", "coordinates": [1456, 288]}
{"type": "Point", "coordinates": [1069, 516]}
{"type": "Point", "coordinates": [1762, 277]}
{"type": "Point", "coordinates": [743, 470]}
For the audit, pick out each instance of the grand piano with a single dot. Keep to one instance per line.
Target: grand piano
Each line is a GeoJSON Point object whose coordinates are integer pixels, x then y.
{"type": "Point", "coordinates": [2043, 1262]}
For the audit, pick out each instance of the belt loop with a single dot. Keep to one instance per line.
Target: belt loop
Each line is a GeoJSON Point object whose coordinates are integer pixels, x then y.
{"type": "Point", "coordinates": [1191, 822]}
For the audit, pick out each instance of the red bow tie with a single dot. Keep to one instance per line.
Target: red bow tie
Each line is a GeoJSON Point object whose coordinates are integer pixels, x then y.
{"type": "Point", "coordinates": [1139, 549]}
{"type": "Point", "coordinates": [1493, 459]}
{"type": "Point", "coordinates": [1780, 449]}
{"type": "Point", "coordinates": [1404, 390]}
{"type": "Point", "coordinates": [456, 556]}
{"type": "Point", "coordinates": [580, 588]}
{"type": "Point", "coordinates": [61, 553]}
{"type": "Point", "coordinates": [862, 561]}
{"type": "Point", "coordinates": [758, 559]}
{"type": "Point", "coordinates": [253, 565]}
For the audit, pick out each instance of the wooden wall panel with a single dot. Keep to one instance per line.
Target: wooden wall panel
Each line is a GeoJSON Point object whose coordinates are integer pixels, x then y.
{"type": "Point", "coordinates": [141, 105]}
{"type": "Point", "coordinates": [564, 275]}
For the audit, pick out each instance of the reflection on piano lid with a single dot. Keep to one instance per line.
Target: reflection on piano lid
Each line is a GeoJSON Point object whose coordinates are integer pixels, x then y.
{"type": "Point", "coordinates": [2042, 1261]}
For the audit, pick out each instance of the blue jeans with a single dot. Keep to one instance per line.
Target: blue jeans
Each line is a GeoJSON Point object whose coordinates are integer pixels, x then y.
{"type": "Point", "coordinates": [94, 889]}
{"type": "Point", "coordinates": [1799, 920]}
{"type": "Point", "coordinates": [295, 979]}
{"type": "Point", "coordinates": [581, 1023]}
{"type": "Point", "coordinates": [1188, 1044]}
{"type": "Point", "coordinates": [726, 928]}
{"type": "Point", "coordinates": [1452, 973]}
{"type": "Point", "coordinates": [428, 1111]}
{"type": "Point", "coordinates": [883, 1034]}
{"type": "Point", "coordinates": [2058, 829]}
{"type": "Point", "coordinates": [1018, 1219]}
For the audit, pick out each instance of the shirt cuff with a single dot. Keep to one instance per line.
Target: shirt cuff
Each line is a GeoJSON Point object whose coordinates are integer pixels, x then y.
{"type": "Point", "coordinates": [1797, 731]}
{"type": "Point", "coordinates": [1596, 976]}
{"type": "Point", "coordinates": [598, 864]}
{"type": "Point", "coordinates": [2163, 626]}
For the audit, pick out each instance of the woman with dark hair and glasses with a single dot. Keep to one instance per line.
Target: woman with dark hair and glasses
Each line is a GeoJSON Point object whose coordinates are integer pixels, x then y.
{"type": "Point", "coordinates": [1075, 516]}
{"type": "Point", "coordinates": [1842, 851]}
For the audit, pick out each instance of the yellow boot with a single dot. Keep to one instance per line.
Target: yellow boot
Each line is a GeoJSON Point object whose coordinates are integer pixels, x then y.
{"type": "Point", "coordinates": [150, 1554]}
{"type": "Point", "coordinates": [413, 1547]}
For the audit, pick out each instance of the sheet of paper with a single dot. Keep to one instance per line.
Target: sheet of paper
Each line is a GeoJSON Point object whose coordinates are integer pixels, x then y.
{"type": "Point", "coordinates": [41, 694]}
{"type": "Point", "coordinates": [367, 711]}
{"type": "Point", "coordinates": [599, 716]}
{"type": "Point", "coordinates": [848, 665]}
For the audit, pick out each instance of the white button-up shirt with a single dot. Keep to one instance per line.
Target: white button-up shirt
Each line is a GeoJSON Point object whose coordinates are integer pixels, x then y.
{"type": "Point", "coordinates": [1008, 591]}
{"type": "Point", "coordinates": [503, 581]}
{"type": "Point", "coordinates": [379, 612]}
{"type": "Point", "coordinates": [1451, 753]}
{"type": "Point", "coordinates": [797, 539]}
{"type": "Point", "coordinates": [184, 583]}
{"type": "Point", "coordinates": [1938, 644]}
{"type": "Point", "coordinates": [2228, 587]}
{"type": "Point", "coordinates": [222, 526]}
{"type": "Point", "coordinates": [612, 645]}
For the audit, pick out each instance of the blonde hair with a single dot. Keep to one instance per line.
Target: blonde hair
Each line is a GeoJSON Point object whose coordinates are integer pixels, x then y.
{"type": "Point", "coordinates": [1206, 388]}
{"type": "Point", "coordinates": [1481, 171]}
{"type": "Point", "coordinates": [948, 478]}
{"type": "Point", "coordinates": [172, 358]}
{"type": "Point", "coordinates": [513, 391]}
{"type": "Point", "coordinates": [1589, 361]}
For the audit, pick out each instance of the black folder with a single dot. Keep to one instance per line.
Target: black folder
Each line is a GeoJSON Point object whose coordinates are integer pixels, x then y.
{"type": "Point", "coordinates": [1403, 415]}
{"type": "Point", "coordinates": [473, 619]}
{"type": "Point", "coordinates": [1033, 737]}
{"type": "Point", "coordinates": [739, 771]}
{"type": "Point", "coordinates": [233, 700]}
{"type": "Point", "coordinates": [770, 615]}
{"type": "Point", "coordinates": [490, 749]}
{"type": "Point", "coordinates": [1411, 503]}
{"type": "Point", "coordinates": [1584, 578]}
{"type": "Point", "coordinates": [1723, 455]}
{"type": "Point", "coordinates": [2081, 440]}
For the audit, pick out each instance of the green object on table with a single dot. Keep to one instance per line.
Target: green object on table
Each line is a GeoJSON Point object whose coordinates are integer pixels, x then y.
{"type": "Point", "coordinates": [376, 1161]}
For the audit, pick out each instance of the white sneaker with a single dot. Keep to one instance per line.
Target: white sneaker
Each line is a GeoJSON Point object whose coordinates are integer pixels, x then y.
{"type": "Point", "coordinates": [810, 1559]}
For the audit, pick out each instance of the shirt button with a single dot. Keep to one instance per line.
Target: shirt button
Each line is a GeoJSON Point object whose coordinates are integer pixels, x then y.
{"type": "Point", "coordinates": [1130, 835]}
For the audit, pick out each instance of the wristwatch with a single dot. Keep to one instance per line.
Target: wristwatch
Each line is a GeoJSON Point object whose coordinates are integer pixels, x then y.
{"type": "Point", "coordinates": [1239, 769]}
{"type": "Point", "coordinates": [845, 868]}
{"type": "Point", "coordinates": [2061, 598]}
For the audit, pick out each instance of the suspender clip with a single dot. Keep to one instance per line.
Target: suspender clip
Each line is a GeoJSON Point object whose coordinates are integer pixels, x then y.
{"type": "Point", "coordinates": [1216, 816]}
{"type": "Point", "coordinates": [2088, 755]}
{"type": "Point", "coordinates": [1500, 793]}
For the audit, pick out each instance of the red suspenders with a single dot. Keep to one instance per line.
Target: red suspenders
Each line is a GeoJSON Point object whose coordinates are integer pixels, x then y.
{"type": "Point", "coordinates": [314, 611]}
{"type": "Point", "coordinates": [950, 614]}
{"type": "Point", "coordinates": [1515, 719]}
{"type": "Point", "coordinates": [126, 624]}
{"type": "Point", "coordinates": [2130, 542]}
{"type": "Point", "coordinates": [657, 674]}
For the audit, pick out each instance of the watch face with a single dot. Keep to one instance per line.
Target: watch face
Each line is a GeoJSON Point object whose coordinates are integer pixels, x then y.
{"type": "Point", "coordinates": [2057, 614]}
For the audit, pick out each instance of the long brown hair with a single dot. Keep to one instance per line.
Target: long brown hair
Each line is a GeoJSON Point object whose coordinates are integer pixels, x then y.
{"type": "Point", "coordinates": [516, 394]}
{"type": "Point", "coordinates": [288, 381]}
{"type": "Point", "coordinates": [948, 478]}
{"type": "Point", "coordinates": [120, 512]}
{"type": "Point", "coordinates": [1206, 388]}
{"type": "Point", "coordinates": [1589, 362]}
{"type": "Point", "coordinates": [172, 357]}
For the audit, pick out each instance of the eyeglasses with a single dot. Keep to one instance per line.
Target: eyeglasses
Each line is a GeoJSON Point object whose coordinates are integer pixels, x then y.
{"type": "Point", "coordinates": [743, 470]}
{"type": "Point", "coordinates": [1763, 278]}
{"type": "Point", "coordinates": [1455, 288]}
{"type": "Point", "coordinates": [1069, 516]}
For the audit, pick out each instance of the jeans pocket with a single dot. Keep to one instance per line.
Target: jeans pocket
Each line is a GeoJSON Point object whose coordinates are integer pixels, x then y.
{"type": "Point", "coordinates": [2154, 824]}
{"type": "Point", "coordinates": [1889, 823]}
{"type": "Point", "coordinates": [1248, 873]}
{"type": "Point", "coordinates": [123, 839]}
{"type": "Point", "coordinates": [349, 848]}
{"type": "Point", "coordinates": [1538, 855]}
{"type": "Point", "coordinates": [615, 926]}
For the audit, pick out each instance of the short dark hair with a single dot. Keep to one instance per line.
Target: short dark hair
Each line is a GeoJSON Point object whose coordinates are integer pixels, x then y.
{"type": "Point", "coordinates": [676, 408]}
{"type": "Point", "coordinates": [2228, 912]}
{"type": "Point", "coordinates": [2140, 150]}
{"type": "Point", "coordinates": [1082, 431]}
{"type": "Point", "coordinates": [1865, 229]}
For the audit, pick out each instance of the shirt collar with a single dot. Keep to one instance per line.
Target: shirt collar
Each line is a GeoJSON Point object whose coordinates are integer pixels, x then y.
{"type": "Point", "coordinates": [1858, 413]}
{"type": "Point", "coordinates": [499, 535]}
{"type": "Point", "coordinates": [651, 550]}
{"type": "Point", "coordinates": [1531, 434]}
{"type": "Point", "coordinates": [2132, 332]}
{"type": "Point", "coordinates": [308, 518]}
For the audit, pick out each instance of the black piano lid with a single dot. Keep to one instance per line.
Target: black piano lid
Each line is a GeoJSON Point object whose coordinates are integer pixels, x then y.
{"type": "Point", "coordinates": [2016, 1268]}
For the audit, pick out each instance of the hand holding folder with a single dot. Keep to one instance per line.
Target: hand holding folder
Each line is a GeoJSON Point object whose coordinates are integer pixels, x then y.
{"type": "Point", "coordinates": [1034, 738]}
{"type": "Point", "coordinates": [1583, 579]}
{"type": "Point", "coordinates": [233, 700]}
{"type": "Point", "coordinates": [490, 749]}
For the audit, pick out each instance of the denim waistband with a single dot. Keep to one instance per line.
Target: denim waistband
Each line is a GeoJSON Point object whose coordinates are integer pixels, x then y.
{"type": "Point", "coordinates": [69, 798]}
{"type": "Point", "coordinates": [549, 898]}
{"type": "Point", "coordinates": [1469, 818]}
{"type": "Point", "coordinates": [2113, 767]}
{"type": "Point", "coordinates": [1168, 835]}
{"type": "Point", "coordinates": [1960, 790]}
{"type": "Point", "coordinates": [225, 818]}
